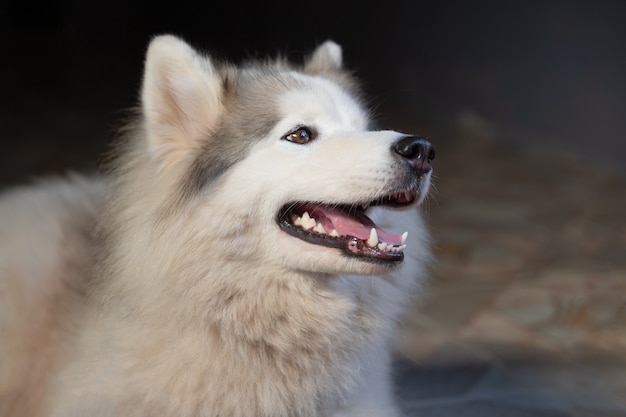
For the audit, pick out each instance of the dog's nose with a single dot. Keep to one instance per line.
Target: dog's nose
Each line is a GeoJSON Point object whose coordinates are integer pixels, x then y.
{"type": "Point", "coordinates": [418, 151]}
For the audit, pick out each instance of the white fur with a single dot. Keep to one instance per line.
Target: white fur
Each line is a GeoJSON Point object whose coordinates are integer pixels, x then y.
{"type": "Point", "coordinates": [206, 307]}
{"type": "Point", "coordinates": [180, 98]}
{"type": "Point", "coordinates": [327, 55]}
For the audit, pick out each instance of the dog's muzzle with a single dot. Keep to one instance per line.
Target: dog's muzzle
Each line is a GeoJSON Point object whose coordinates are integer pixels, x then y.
{"type": "Point", "coordinates": [347, 226]}
{"type": "Point", "coordinates": [418, 151]}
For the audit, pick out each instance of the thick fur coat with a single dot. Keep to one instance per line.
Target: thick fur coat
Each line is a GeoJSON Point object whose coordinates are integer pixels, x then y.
{"type": "Point", "coordinates": [177, 283]}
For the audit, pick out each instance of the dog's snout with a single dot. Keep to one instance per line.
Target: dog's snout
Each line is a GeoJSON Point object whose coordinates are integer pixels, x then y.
{"type": "Point", "coordinates": [418, 151]}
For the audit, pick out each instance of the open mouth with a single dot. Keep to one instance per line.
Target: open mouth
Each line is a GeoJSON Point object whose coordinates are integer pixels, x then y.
{"type": "Point", "coordinates": [347, 227]}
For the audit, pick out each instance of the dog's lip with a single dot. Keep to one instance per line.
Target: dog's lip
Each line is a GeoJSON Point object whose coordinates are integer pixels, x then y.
{"type": "Point", "coordinates": [347, 227]}
{"type": "Point", "coordinates": [349, 245]}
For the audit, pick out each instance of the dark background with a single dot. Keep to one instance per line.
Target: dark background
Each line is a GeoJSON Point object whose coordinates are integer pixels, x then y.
{"type": "Point", "coordinates": [550, 72]}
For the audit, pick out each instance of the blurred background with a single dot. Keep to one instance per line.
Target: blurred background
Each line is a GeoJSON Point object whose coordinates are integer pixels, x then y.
{"type": "Point", "coordinates": [526, 105]}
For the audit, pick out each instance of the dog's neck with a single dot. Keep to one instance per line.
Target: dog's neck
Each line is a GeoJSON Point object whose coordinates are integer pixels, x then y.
{"type": "Point", "coordinates": [302, 324]}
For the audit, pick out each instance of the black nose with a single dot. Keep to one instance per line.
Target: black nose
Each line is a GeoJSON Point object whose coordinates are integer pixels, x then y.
{"type": "Point", "coordinates": [418, 151]}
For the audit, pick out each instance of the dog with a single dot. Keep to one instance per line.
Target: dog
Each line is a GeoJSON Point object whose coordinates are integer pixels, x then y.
{"type": "Point", "coordinates": [249, 252]}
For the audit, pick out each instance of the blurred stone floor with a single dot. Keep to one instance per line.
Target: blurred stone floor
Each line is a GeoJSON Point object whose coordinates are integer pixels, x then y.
{"type": "Point", "coordinates": [526, 312]}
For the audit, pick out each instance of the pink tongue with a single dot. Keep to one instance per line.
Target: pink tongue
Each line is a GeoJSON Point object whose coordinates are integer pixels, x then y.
{"type": "Point", "coordinates": [356, 224]}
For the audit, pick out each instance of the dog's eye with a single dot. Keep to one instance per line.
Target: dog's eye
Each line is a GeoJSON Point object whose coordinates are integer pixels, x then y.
{"type": "Point", "coordinates": [300, 136]}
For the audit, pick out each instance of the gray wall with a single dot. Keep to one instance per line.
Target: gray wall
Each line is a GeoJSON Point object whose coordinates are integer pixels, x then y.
{"type": "Point", "coordinates": [551, 71]}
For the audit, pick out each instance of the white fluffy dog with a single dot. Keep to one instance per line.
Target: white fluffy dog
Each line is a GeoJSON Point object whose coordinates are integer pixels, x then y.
{"type": "Point", "coordinates": [245, 256]}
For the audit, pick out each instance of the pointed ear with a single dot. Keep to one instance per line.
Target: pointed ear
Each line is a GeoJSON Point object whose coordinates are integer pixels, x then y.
{"type": "Point", "coordinates": [181, 98]}
{"type": "Point", "coordinates": [327, 56]}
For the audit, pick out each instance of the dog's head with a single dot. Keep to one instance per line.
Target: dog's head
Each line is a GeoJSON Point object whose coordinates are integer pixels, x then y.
{"type": "Point", "coordinates": [279, 161]}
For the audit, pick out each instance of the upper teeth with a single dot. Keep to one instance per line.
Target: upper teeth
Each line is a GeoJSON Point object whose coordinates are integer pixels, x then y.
{"type": "Point", "coordinates": [307, 222]}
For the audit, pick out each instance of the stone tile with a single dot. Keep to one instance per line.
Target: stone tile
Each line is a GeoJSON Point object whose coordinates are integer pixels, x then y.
{"type": "Point", "coordinates": [480, 409]}
{"type": "Point", "coordinates": [586, 412]}
{"type": "Point", "coordinates": [563, 385]}
{"type": "Point", "coordinates": [418, 383]}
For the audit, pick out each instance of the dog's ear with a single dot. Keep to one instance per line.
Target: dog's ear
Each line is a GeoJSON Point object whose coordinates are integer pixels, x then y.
{"type": "Point", "coordinates": [327, 56]}
{"type": "Point", "coordinates": [181, 98]}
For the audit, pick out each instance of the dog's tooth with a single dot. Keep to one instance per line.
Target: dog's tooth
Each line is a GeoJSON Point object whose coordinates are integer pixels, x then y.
{"type": "Point", "coordinates": [319, 228]}
{"type": "Point", "coordinates": [382, 246]}
{"type": "Point", "coordinates": [307, 222]}
{"type": "Point", "coordinates": [334, 233]}
{"type": "Point", "coordinates": [403, 247]}
{"type": "Point", "coordinates": [296, 220]}
{"type": "Point", "coordinates": [407, 195]}
{"type": "Point", "coordinates": [404, 236]}
{"type": "Point", "coordinates": [373, 239]}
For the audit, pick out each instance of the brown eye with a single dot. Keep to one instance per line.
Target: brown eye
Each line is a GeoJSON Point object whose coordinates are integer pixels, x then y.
{"type": "Point", "coordinates": [300, 136]}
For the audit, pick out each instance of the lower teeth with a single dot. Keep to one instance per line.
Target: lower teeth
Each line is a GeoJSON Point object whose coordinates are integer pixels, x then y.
{"type": "Point", "coordinates": [307, 223]}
